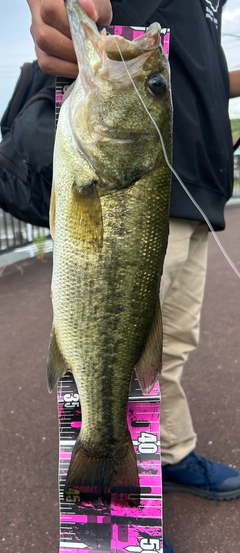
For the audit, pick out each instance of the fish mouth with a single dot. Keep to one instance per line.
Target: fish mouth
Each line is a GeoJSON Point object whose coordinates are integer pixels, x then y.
{"type": "Point", "coordinates": [99, 48]}
{"type": "Point", "coordinates": [118, 48]}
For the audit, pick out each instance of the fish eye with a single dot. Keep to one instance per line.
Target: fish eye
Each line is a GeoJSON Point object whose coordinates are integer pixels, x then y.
{"type": "Point", "coordinates": [157, 84]}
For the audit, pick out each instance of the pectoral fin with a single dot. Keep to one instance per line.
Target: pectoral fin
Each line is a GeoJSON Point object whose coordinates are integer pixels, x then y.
{"type": "Point", "coordinates": [149, 365]}
{"type": "Point", "coordinates": [86, 214]}
{"type": "Point", "coordinates": [56, 364]}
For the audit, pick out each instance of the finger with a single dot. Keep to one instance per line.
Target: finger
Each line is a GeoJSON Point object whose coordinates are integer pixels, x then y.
{"type": "Point", "coordinates": [98, 10]}
{"type": "Point", "coordinates": [56, 66]}
{"type": "Point", "coordinates": [53, 42]}
{"type": "Point", "coordinates": [53, 13]}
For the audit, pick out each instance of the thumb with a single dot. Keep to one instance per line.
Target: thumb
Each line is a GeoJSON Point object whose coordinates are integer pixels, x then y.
{"type": "Point", "coordinates": [98, 10]}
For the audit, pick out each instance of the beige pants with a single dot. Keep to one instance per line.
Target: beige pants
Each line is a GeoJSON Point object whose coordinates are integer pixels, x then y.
{"type": "Point", "coordinates": [181, 294]}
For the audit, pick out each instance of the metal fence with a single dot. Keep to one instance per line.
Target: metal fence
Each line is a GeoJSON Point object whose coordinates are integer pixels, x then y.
{"type": "Point", "coordinates": [16, 234]}
{"type": "Point", "coordinates": [236, 190]}
{"type": "Point", "coordinates": [236, 166]}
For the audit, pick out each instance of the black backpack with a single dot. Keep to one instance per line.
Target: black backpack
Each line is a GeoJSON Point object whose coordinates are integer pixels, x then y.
{"type": "Point", "coordinates": [26, 149]}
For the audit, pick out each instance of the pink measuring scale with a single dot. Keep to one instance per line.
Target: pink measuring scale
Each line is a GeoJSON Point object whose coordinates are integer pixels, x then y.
{"type": "Point", "coordinates": [104, 527]}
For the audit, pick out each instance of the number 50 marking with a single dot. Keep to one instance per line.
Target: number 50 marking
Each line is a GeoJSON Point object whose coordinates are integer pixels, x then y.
{"type": "Point", "coordinates": [150, 544]}
{"type": "Point", "coordinates": [146, 545]}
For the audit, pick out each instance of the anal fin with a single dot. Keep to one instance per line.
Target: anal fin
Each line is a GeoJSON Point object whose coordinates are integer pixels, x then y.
{"type": "Point", "coordinates": [56, 364]}
{"type": "Point", "coordinates": [148, 367]}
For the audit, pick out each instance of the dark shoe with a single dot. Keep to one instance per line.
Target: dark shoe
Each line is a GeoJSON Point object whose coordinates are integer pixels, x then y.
{"type": "Point", "coordinates": [196, 475]}
{"type": "Point", "coordinates": [167, 546]}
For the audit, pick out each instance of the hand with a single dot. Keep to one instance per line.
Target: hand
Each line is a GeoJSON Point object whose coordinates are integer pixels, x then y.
{"type": "Point", "coordinates": [51, 33]}
{"type": "Point", "coordinates": [234, 79]}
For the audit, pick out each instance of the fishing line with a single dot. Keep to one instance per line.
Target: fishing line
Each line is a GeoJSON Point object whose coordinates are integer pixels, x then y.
{"type": "Point", "coordinates": [220, 245]}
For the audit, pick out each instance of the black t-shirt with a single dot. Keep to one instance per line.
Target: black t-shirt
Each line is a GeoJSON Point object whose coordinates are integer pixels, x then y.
{"type": "Point", "coordinates": [202, 142]}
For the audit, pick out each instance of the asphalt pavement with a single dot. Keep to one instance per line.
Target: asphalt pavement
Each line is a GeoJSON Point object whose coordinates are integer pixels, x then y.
{"type": "Point", "coordinates": [29, 514]}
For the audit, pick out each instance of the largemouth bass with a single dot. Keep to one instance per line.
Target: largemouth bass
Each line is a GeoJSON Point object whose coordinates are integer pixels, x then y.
{"type": "Point", "coordinates": [109, 219]}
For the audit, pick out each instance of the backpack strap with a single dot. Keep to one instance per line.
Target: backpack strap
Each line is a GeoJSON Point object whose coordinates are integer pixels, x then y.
{"type": "Point", "coordinates": [18, 98]}
{"type": "Point", "coordinates": [133, 12]}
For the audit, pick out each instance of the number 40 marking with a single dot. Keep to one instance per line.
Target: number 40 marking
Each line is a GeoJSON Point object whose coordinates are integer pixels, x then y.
{"type": "Point", "coordinates": [147, 443]}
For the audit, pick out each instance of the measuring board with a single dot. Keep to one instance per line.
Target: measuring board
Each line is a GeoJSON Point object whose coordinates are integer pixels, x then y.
{"type": "Point", "coordinates": [110, 528]}
{"type": "Point", "coordinates": [101, 527]}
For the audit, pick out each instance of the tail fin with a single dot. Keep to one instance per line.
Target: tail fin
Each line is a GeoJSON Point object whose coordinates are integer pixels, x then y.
{"type": "Point", "coordinates": [112, 478]}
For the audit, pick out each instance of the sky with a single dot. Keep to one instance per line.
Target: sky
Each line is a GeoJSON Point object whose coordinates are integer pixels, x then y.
{"type": "Point", "coordinates": [16, 45]}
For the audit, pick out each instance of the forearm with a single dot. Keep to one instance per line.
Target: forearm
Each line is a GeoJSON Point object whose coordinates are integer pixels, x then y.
{"type": "Point", "coordinates": [234, 79]}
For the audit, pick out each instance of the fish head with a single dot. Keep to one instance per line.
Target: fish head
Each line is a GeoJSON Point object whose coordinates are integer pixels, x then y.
{"type": "Point", "coordinates": [122, 86]}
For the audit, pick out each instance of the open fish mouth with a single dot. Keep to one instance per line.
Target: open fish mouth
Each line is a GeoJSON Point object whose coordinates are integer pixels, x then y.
{"type": "Point", "coordinates": [105, 52]}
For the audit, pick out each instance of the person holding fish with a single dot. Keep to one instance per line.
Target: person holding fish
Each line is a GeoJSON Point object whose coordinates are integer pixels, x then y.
{"type": "Point", "coordinates": [202, 157]}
